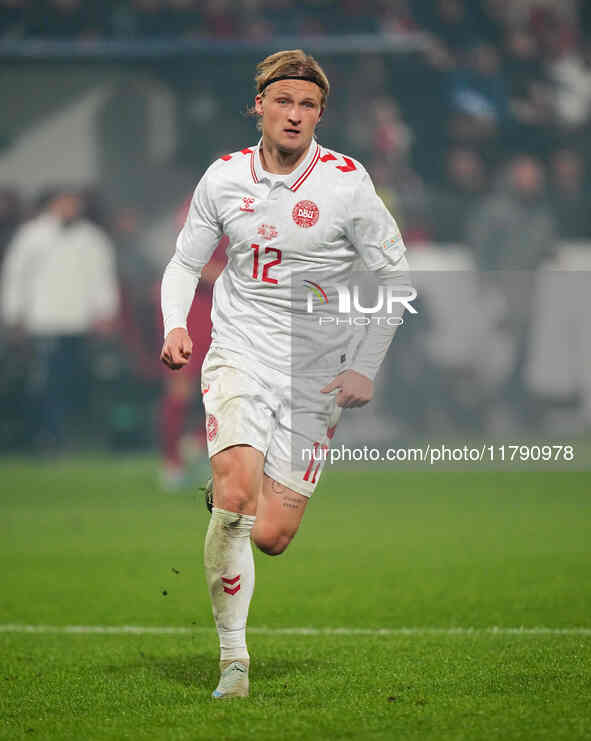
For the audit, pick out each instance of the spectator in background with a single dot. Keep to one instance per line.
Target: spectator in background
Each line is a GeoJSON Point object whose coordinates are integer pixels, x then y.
{"type": "Point", "coordinates": [530, 95]}
{"type": "Point", "coordinates": [571, 199]}
{"type": "Point", "coordinates": [449, 21]}
{"type": "Point", "coordinates": [57, 286]}
{"type": "Point", "coordinates": [390, 141]}
{"type": "Point", "coordinates": [519, 12]}
{"type": "Point", "coordinates": [512, 233]}
{"type": "Point", "coordinates": [135, 271]}
{"type": "Point", "coordinates": [514, 228]}
{"type": "Point", "coordinates": [65, 19]}
{"type": "Point", "coordinates": [11, 213]}
{"type": "Point", "coordinates": [149, 18]}
{"type": "Point", "coordinates": [351, 16]}
{"type": "Point", "coordinates": [282, 16]}
{"type": "Point", "coordinates": [403, 193]}
{"type": "Point", "coordinates": [367, 81]}
{"type": "Point", "coordinates": [220, 19]}
{"type": "Point", "coordinates": [477, 96]}
{"type": "Point", "coordinates": [465, 183]}
{"type": "Point", "coordinates": [253, 22]}
{"type": "Point", "coordinates": [392, 138]}
{"type": "Point", "coordinates": [12, 19]}
{"type": "Point", "coordinates": [554, 29]}
{"type": "Point", "coordinates": [183, 18]}
{"type": "Point", "coordinates": [585, 18]}
{"type": "Point", "coordinates": [395, 16]}
{"type": "Point", "coordinates": [491, 20]}
{"type": "Point", "coordinates": [571, 73]}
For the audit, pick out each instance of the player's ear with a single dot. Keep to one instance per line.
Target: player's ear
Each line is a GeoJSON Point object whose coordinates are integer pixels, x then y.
{"type": "Point", "coordinates": [258, 104]}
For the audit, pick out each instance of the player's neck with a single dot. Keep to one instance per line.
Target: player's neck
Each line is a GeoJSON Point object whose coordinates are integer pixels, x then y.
{"type": "Point", "coordinates": [279, 162]}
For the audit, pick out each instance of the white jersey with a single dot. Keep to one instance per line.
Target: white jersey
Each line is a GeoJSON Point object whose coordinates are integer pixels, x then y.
{"type": "Point", "coordinates": [288, 234]}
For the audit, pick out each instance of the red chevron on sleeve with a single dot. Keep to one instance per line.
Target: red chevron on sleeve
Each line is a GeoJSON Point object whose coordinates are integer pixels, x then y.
{"type": "Point", "coordinates": [348, 167]}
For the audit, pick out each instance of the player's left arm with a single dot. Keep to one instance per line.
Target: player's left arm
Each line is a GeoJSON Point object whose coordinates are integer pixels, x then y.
{"type": "Point", "coordinates": [376, 237]}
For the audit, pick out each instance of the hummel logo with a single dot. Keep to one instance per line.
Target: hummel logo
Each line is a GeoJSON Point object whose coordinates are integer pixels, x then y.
{"type": "Point", "coordinates": [247, 203]}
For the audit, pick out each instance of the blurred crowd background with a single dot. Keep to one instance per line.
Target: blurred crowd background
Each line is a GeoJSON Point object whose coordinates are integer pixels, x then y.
{"type": "Point", "coordinates": [474, 119]}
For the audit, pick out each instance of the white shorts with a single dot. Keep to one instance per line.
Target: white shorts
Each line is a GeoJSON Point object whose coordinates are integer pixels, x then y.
{"type": "Point", "coordinates": [288, 420]}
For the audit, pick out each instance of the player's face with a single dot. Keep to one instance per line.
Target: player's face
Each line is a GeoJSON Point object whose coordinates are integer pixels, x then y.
{"type": "Point", "coordinates": [290, 110]}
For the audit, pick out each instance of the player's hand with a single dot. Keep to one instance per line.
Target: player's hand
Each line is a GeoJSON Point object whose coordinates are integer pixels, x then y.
{"type": "Point", "coordinates": [177, 348]}
{"type": "Point", "coordinates": [355, 389]}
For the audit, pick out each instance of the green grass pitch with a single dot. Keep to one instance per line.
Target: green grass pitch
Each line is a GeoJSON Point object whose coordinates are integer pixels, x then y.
{"type": "Point", "coordinates": [95, 543]}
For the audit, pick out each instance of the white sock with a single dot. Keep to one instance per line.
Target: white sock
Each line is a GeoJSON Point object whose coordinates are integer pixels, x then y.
{"type": "Point", "coordinates": [229, 570]}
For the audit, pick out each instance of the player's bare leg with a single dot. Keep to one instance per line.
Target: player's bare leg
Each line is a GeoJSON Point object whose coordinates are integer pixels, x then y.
{"type": "Point", "coordinates": [279, 514]}
{"type": "Point", "coordinates": [229, 565]}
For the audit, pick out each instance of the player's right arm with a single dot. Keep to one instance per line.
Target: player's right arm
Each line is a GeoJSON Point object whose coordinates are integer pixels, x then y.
{"type": "Point", "coordinates": [195, 245]}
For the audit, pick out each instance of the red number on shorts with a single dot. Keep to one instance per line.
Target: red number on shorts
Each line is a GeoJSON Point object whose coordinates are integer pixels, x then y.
{"type": "Point", "coordinates": [267, 266]}
{"type": "Point", "coordinates": [315, 462]}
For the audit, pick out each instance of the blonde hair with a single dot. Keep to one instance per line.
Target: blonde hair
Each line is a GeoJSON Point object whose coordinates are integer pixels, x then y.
{"type": "Point", "coordinates": [292, 62]}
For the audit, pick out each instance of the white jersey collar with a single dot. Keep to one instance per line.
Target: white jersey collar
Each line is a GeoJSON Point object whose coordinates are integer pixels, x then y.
{"type": "Point", "coordinates": [295, 178]}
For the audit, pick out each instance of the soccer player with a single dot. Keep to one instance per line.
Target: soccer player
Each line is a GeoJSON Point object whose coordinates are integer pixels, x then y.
{"type": "Point", "coordinates": [298, 216]}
